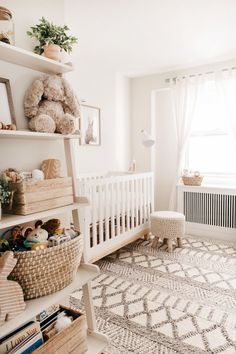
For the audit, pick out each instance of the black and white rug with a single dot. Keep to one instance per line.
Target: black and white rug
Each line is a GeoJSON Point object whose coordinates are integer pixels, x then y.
{"type": "Point", "coordinates": [152, 302]}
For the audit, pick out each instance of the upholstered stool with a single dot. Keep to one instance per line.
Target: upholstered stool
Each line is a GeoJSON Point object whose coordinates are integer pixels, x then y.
{"type": "Point", "coordinates": [168, 225]}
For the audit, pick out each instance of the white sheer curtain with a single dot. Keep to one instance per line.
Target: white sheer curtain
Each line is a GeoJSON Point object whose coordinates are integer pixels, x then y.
{"type": "Point", "coordinates": [226, 85]}
{"type": "Point", "coordinates": [184, 92]}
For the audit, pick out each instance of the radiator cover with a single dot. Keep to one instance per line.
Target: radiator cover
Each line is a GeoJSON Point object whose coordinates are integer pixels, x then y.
{"type": "Point", "coordinates": [210, 209]}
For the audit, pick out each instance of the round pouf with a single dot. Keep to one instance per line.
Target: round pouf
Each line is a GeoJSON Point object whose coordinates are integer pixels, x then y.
{"type": "Point", "coordinates": [168, 225]}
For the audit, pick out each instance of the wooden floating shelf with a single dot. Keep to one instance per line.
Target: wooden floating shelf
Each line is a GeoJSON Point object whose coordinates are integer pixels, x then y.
{"type": "Point", "coordinates": [86, 272]}
{"type": "Point", "coordinates": [9, 220]}
{"type": "Point", "coordinates": [27, 134]}
{"type": "Point", "coordinates": [22, 57]}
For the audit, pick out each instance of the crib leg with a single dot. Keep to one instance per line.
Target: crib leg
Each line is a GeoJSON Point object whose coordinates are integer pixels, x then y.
{"type": "Point", "coordinates": [170, 245]}
{"type": "Point", "coordinates": [155, 242]}
{"type": "Point", "coordinates": [179, 242]}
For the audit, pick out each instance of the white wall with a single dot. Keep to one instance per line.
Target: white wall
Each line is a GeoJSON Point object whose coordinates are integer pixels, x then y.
{"type": "Point", "coordinates": [26, 155]}
{"type": "Point", "coordinates": [150, 92]}
{"type": "Point", "coordinates": [100, 85]}
{"type": "Point", "coordinates": [95, 81]}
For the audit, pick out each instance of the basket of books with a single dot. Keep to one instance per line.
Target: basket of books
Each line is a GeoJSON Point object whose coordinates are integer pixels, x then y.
{"type": "Point", "coordinates": [45, 271]}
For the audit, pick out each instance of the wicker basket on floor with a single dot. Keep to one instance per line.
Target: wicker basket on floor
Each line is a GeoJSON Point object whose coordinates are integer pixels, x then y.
{"type": "Point", "coordinates": [43, 272]}
{"type": "Point", "coordinates": [192, 180]}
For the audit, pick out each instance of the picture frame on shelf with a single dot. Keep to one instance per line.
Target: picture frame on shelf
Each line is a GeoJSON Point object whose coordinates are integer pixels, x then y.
{"type": "Point", "coordinates": [90, 125]}
{"type": "Point", "coordinates": [7, 112]}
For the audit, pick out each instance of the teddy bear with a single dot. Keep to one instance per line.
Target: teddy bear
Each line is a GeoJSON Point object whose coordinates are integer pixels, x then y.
{"type": "Point", "coordinates": [51, 105]}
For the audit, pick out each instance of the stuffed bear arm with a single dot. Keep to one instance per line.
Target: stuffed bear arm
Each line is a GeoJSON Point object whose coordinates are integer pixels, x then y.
{"type": "Point", "coordinates": [71, 102]}
{"type": "Point", "coordinates": [32, 98]}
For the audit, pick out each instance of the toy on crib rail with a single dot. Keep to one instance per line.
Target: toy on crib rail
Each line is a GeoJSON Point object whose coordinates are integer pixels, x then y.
{"type": "Point", "coordinates": [11, 295]}
{"type": "Point", "coordinates": [37, 238]}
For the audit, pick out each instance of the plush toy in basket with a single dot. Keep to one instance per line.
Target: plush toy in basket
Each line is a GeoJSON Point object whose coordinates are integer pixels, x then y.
{"type": "Point", "coordinates": [192, 179]}
{"type": "Point", "coordinates": [44, 266]}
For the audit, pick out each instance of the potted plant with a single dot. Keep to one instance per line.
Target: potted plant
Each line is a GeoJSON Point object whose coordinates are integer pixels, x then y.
{"type": "Point", "coordinates": [5, 193]}
{"type": "Point", "coordinates": [52, 39]}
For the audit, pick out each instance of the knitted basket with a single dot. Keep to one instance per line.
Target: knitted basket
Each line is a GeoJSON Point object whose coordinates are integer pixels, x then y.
{"type": "Point", "coordinates": [43, 272]}
{"type": "Point", "coordinates": [192, 181]}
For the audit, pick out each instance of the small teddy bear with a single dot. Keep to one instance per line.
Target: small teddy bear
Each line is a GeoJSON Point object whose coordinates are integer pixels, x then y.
{"type": "Point", "coordinates": [51, 105]}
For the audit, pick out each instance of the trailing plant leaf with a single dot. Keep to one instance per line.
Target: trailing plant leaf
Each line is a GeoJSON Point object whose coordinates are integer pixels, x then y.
{"type": "Point", "coordinates": [48, 33]}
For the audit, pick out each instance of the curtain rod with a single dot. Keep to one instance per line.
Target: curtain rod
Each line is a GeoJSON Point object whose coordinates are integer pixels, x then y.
{"type": "Point", "coordinates": [199, 74]}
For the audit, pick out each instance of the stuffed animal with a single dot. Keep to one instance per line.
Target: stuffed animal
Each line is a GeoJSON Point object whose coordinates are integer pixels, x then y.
{"type": "Point", "coordinates": [51, 105]}
{"type": "Point", "coordinates": [36, 238]}
{"type": "Point", "coordinates": [52, 226]}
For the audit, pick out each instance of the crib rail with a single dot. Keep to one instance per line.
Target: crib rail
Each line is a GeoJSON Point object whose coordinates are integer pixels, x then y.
{"type": "Point", "coordinates": [120, 207]}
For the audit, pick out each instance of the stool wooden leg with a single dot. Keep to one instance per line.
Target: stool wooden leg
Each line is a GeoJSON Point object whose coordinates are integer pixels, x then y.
{"type": "Point", "coordinates": [179, 242]}
{"type": "Point", "coordinates": [155, 242]}
{"type": "Point", "coordinates": [169, 242]}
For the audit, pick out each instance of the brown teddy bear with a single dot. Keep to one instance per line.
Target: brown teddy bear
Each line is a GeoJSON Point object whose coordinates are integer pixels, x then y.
{"type": "Point", "coordinates": [51, 105]}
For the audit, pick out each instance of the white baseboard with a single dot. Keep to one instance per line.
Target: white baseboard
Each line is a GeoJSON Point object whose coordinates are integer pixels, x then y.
{"type": "Point", "coordinates": [213, 232]}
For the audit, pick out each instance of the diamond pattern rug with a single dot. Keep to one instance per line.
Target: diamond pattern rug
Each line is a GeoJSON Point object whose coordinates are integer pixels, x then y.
{"type": "Point", "coordinates": [149, 301]}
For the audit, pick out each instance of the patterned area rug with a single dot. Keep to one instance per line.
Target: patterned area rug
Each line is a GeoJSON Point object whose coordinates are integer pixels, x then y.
{"type": "Point", "coordinates": [148, 301]}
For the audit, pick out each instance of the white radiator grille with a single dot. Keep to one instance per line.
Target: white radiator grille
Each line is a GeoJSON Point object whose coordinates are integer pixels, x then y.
{"type": "Point", "coordinates": [210, 209]}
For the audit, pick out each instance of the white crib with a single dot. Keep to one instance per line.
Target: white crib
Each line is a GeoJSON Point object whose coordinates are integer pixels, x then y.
{"type": "Point", "coordinates": [118, 212]}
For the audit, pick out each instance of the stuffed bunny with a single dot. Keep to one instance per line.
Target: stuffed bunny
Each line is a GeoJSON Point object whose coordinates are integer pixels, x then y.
{"type": "Point", "coordinates": [51, 105]}
{"type": "Point", "coordinates": [11, 295]}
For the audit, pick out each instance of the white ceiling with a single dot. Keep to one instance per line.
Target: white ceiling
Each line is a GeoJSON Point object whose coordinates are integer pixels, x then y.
{"type": "Point", "coordinates": [144, 36]}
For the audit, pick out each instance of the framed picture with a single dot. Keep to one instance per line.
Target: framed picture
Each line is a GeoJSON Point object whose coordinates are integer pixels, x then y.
{"type": "Point", "coordinates": [7, 113]}
{"type": "Point", "coordinates": [90, 125]}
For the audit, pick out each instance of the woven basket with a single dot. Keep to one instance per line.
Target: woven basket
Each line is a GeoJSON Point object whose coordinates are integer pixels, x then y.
{"type": "Point", "coordinates": [192, 181]}
{"type": "Point", "coordinates": [43, 272]}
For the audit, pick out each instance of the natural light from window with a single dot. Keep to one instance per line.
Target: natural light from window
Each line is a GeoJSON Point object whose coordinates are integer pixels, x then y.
{"type": "Point", "coordinates": [211, 149]}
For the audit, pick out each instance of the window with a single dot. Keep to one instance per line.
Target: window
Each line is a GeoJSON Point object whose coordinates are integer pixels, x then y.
{"type": "Point", "coordinates": [211, 149]}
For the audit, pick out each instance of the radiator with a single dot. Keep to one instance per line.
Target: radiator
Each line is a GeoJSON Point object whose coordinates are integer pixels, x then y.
{"type": "Point", "coordinates": [208, 209]}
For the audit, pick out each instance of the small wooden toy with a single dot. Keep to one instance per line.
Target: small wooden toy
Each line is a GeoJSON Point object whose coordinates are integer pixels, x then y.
{"type": "Point", "coordinates": [11, 295]}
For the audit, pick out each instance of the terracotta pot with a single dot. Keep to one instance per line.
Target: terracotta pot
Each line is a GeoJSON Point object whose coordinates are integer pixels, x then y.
{"type": "Point", "coordinates": [52, 51]}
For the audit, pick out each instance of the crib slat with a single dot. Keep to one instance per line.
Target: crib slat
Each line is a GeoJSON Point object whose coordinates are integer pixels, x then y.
{"type": "Point", "coordinates": [132, 203]}
{"type": "Point", "coordinates": [145, 198]}
{"type": "Point", "coordinates": [94, 215]}
{"type": "Point", "coordinates": [141, 200]}
{"type": "Point", "coordinates": [112, 191]}
{"type": "Point", "coordinates": [118, 201]}
{"type": "Point", "coordinates": [148, 197]}
{"type": "Point", "coordinates": [100, 212]}
{"type": "Point", "coordinates": [107, 205]}
{"type": "Point", "coordinates": [123, 196]}
{"type": "Point", "coordinates": [136, 195]}
{"type": "Point", "coordinates": [128, 196]}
